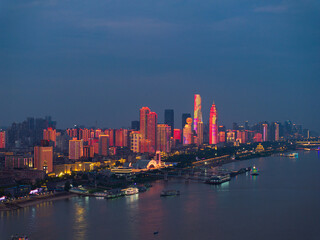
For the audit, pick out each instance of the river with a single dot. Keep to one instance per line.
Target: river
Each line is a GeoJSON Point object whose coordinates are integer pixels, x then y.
{"type": "Point", "coordinates": [283, 202]}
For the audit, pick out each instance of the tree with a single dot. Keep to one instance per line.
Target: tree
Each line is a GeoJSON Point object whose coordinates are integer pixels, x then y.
{"type": "Point", "coordinates": [67, 186]}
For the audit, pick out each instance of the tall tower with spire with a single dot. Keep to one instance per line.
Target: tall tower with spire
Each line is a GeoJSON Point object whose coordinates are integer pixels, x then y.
{"type": "Point", "coordinates": [197, 112]}
{"type": "Point", "coordinates": [213, 126]}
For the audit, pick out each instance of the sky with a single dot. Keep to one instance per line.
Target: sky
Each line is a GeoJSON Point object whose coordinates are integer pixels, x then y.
{"type": "Point", "coordinates": [100, 61]}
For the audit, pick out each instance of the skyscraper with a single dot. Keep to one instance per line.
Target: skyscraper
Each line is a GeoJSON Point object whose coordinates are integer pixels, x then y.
{"type": "Point", "coordinates": [187, 132]}
{"type": "Point", "coordinates": [135, 138]}
{"type": "Point", "coordinates": [144, 111]}
{"type": "Point", "coordinates": [265, 132]}
{"type": "Point", "coordinates": [200, 133]}
{"type": "Point", "coordinates": [103, 145]}
{"type": "Point", "coordinates": [43, 158]}
{"type": "Point", "coordinates": [2, 139]}
{"type": "Point", "coordinates": [169, 119]}
{"type": "Point", "coordinates": [197, 112]}
{"type": "Point", "coordinates": [184, 119]}
{"type": "Point", "coordinates": [50, 135]}
{"type": "Point", "coordinates": [213, 128]}
{"type": "Point", "coordinates": [163, 137]}
{"type": "Point", "coordinates": [152, 119]}
{"type": "Point", "coordinates": [75, 149]}
{"type": "Point", "coordinates": [276, 133]}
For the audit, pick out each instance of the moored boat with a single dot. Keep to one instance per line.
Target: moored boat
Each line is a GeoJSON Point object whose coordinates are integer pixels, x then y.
{"type": "Point", "coordinates": [254, 171]}
{"type": "Point", "coordinates": [130, 191]}
{"type": "Point", "coordinates": [218, 179]}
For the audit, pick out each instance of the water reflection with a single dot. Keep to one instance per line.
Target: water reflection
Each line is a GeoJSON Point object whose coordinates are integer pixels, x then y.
{"type": "Point", "coordinates": [80, 224]}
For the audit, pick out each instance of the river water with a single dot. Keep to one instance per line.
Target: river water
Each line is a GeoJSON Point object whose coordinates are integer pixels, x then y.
{"type": "Point", "coordinates": [283, 202]}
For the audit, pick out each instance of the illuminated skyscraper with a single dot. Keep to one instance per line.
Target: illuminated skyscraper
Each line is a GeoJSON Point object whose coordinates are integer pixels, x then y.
{"type": "Point", "coordinates": [197, 112]}
{"type": "Point", "coordinates": [265, 132]}
{"type": "Point", "coordinates": [276, 134]}
{"type": "Point", "coordinates": [200, 133]}
{"type": "Point", "coordinates": [103, 145]}
{"type": "Point", "coordinates": [187, 132]}
{"type": "Point", "coordinates": [152, 119]}
{"type": "Point", "coordinates": [213, 128]}
{"type": "Point", "coordinates": [163, 137]}
{"type": "Point", "coordinates": [169, 119]}
{"type": "Point", "coordinates": [144, 111]}
{"type": "Point", "coordinates": [177, 135]}
{"type": "Point", "coordinates": [43, 158]}
{"type": "Point", "coordinates": [75, 149]}
{"type": "Point", "coordinates": [2, 139]}
{"type": "Point", "coordinates": [50, 135]}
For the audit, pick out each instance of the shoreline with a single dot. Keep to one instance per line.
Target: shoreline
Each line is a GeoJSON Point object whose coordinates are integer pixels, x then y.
{"type": "Point", "coordinates": [30, 202]}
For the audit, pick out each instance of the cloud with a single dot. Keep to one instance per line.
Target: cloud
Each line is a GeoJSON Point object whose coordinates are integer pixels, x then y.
{"type": "Point", "coordinates": [271, 9]}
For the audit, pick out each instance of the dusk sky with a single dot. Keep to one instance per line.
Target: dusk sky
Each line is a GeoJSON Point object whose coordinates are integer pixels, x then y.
{"type": "Point", "coordinates": [88, 61]}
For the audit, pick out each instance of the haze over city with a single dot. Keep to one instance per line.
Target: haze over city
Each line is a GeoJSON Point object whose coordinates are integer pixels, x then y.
{"type": "Point", "coordinates": [83, 62]}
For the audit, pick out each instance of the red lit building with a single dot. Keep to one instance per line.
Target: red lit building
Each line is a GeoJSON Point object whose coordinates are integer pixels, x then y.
{"type": "Point", "coordinates": [50, 135]}
{"type": "Point", "coordinates": [177, 135]}
{"type": "Point", "coordinates": [43, 158]}
{"type": "Point", "coordinates": [88, 151]}
{"type": "Point", "coordinates": [257, 137]}
{"type": "Point", "coordinates": [144, 111]}
{"type": "Point", "coordinates": [222, 137]}
{"type": "Point", "coordinates": [2, 139]}
{"type": "Point", "coordinates": [152, 119]}
{"type": "Point", "coordinates": [75, 149]}
{"type": "Point", "coordinates": [213, 128]}
{"type": "Point", "coordinates": [103, 145]}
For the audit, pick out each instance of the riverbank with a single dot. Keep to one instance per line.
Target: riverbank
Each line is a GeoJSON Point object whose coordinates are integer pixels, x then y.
{"type": "Point", "coordinates": [21, 203]}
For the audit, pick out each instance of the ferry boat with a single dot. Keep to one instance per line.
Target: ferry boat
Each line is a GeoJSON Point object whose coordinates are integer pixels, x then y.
{"type": "Point", "coordinates": [114, 195]}
{"type": "Point", "coordinates": [130, 191]}
{"type": "Point", "coordinates": [293, 155]}
{"type": "Point", "coordinates": [79, 190]}
{"type": "Point", "coordinates": [167, 193]}
{"type": "Point", "coordinates": [254, 171]}
{"type": "Point", "coordinates": [215, 180]}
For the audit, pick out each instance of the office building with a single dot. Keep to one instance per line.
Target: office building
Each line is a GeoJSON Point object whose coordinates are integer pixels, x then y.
{"type": "Point", "coordinates": [169, 119]}
{"type": "Point", "coordinates": [103, 145]}
{"type": "Point", "coordinates": [197, 112]}
{"type": "Point", "coordinates": [184, 119]}
{"type": "Point", "coordinates": [163, 138]}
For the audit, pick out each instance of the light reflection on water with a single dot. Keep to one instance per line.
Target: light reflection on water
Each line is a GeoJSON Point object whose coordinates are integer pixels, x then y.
{"type": "Point", "coordinates": [247, 206]}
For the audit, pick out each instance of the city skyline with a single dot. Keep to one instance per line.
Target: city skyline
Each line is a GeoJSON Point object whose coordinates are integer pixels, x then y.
{"type": "Point", "coordinates": [104, 63]}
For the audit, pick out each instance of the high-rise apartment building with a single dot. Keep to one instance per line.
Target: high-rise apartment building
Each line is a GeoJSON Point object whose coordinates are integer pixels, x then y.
{"type": "Point", "coordinates": [135, 138]}
{"type": "Point", "coordinates": [152, 119]}
{"type": "Point", "coordinates": [276, 131]}
{"type": "Point", "coordinates": [75, 149]}
{"type": "Point", "coordinates": [43, 158]}
{"type": "Point", "coordinates": [213, 127]}
{"type": "Point", "coordinates": [163, 138]}
{"type": "Point", "coordinates": [103, 145]}
{"type": "Point", "coordinates": [144, 111]}
{"type": "Point", "coordinates": [2, 139]}
{"type": "Point", "coordinates": [50, 135]}
{"type": "Point", "coordinates": [197, 112]}
{"type": "Point", "coordinates": [169, 119]}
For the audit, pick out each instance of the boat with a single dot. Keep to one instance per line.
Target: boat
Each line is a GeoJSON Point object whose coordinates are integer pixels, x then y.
{"type": "Point", "coordinates": [114, 195]}
{"type": "Point", "coordinates": [100, 194]}
{"type": "Point", "coordinates": [130, 191]}
{"type": "Point", "coordinates": [254, 171]}
{"type": "Point", "coordinates": [79, 190]}
{"type": "Point", "coordinates": [218, 179]}
{"type": "Point", "coordinates": [167, 193]}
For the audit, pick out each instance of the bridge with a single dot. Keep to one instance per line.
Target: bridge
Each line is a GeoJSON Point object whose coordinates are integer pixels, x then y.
{"type": "Point", "coordinates": [308, 143]}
